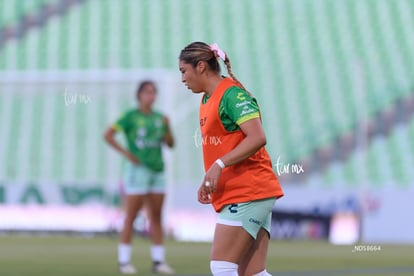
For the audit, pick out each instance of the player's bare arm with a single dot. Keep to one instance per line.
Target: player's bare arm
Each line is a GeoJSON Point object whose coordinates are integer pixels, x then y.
{"type": "Point", "coordinates": [168, 137]}
{"type": "Point", "coordinates": [110, 139]}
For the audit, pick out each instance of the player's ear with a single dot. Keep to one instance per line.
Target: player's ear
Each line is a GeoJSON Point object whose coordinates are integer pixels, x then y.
{"type": "Point", "coordinates": [201, 66]}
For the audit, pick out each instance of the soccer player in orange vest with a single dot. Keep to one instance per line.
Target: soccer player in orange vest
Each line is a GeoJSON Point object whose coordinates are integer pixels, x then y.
{"type": "Point", "coordinates": [239, 180]}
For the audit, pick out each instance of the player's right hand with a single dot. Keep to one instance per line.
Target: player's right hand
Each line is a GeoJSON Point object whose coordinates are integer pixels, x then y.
{"type": "Point", "coordinates": [203, 196]}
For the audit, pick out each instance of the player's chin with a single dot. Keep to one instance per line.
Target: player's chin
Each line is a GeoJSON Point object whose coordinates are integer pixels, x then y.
{"type": "Point", "coordinates": [197, 91]}
{"type": "Point", "coordinates": [194, 90]}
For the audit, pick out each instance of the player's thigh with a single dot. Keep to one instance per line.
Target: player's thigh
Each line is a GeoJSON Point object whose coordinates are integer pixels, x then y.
{"type": "Point", "coordinates": [156, 194]}
{"type": "Point", "coordinates": [154, 203]}
{"type": "Point", "coordinates": [133, 203]}
{"type": "Point", "coordinates": [255, 259]}
{"type": "Point", "coordinates": [238, 226]}
{"type": "Point", "coordinates": [230, 243]}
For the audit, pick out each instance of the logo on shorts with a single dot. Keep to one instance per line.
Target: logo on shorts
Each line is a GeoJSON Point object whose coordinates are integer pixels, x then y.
{"type": "Point", "coordinates": [233, 208]}
{"type": "Point", "coordinates": [258, 222]}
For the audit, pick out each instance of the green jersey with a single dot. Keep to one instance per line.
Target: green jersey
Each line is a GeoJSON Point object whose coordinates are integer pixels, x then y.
{"type": "Point", "coordinates": [144, 134]}
{"type": "Point", "coordinates": [237, 107]}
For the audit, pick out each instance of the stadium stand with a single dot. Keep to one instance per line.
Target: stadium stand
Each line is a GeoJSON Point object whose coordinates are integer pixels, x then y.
{"type": "Point", "coordinates": [320, 69]}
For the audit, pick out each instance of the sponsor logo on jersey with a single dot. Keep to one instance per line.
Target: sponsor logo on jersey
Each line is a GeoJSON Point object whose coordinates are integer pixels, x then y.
{"type": "Point", "coordinates": [247, 111]}
{"type": "Point", "coordinates": [242, 104]}
{"type": "Point", "coordinates": [241, 96]}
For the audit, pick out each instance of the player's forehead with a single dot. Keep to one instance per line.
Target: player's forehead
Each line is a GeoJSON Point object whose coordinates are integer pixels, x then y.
{"type": "Point", "coordinates": [183, 65]}
{"type": "Point", "coordinates": [149, 87]}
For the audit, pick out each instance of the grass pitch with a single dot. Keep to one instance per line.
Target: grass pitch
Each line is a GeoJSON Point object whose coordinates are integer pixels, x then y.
{"type": "Point", "coordinates": [34, 255]}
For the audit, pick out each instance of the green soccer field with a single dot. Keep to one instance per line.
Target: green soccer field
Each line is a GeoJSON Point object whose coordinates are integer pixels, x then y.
{"type": "Point", "coordinates": [73, 255]}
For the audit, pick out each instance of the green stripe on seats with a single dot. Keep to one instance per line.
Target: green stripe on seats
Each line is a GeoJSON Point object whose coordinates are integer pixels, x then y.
{"type": "Point", "coordinates": [14, 132]}
{"type": "Point", "coordinates": [57, 131]}
{"type": "Point", "coordinates": [35, 154]}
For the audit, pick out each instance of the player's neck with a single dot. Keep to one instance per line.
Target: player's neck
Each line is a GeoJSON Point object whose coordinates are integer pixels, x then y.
{"type": "Point", "coordinates": [145, 109]}
{"type": "Point", "coordinates": [212, 83]}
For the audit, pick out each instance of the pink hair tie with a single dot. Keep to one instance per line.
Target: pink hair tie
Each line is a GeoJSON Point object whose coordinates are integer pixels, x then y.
{"type": "Point", "coordinates": [217, 51]}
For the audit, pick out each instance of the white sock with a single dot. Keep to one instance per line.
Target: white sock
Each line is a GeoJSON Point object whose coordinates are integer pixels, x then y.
{"type": "Point", "coordinates": [223, 268]}
{"type": "Point", "coordinates": [158, 253]}
{"type": "Point", "coordinates": [124, 253]}
{"type": "Point", "coordinates": [263, 273]}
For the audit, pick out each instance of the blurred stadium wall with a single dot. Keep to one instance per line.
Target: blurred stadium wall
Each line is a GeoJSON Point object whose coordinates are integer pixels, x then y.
{"type": "Point", "coordinates": [334, 80]}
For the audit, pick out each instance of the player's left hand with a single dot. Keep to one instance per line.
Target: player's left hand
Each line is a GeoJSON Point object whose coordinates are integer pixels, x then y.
{"type": "Point", "coordinates": [211, 178]}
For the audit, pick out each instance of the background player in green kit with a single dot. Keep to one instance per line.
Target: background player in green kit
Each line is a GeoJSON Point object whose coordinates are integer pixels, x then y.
{"type": "Point", "coordinates": [143, 177]}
